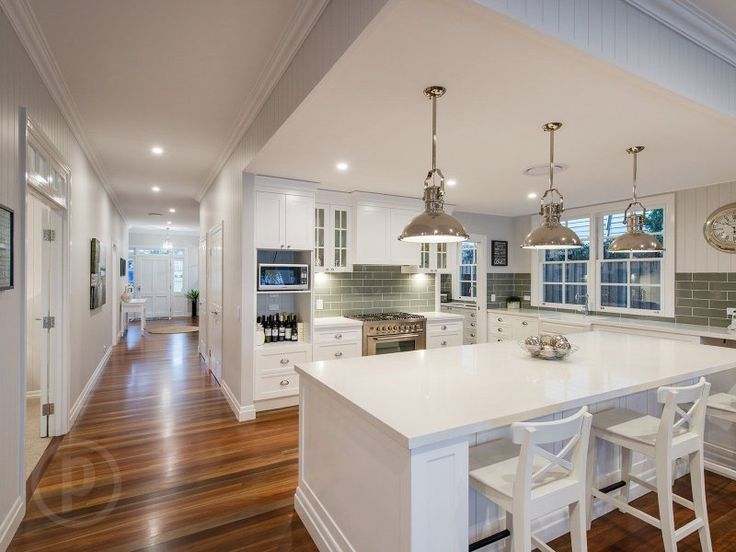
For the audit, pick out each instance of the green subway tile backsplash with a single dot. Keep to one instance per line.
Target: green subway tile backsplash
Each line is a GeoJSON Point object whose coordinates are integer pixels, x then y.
{"type": "Point", "coordinates": [702, 297]}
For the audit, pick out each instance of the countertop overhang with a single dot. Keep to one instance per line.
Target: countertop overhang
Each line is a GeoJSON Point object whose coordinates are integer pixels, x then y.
{"type": "Point", "coordinates": [422, 397]}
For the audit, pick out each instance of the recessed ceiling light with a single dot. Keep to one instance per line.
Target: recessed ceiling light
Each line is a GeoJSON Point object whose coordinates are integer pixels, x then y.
{"type": "Point", "coordinates": [155, 189]}
{"type": "Point", "coordinates": [342, 166]}
{"type": "Point", "coordinates": [172, 210]}
{"type": "Point", "coordinates": [451, 182]}
{"type": "Point", "coordinates": [543, 169]}
{"type": "Point", "coordinates": [157, 150]}
{"type": "Point", "coordinates": [532, 195]}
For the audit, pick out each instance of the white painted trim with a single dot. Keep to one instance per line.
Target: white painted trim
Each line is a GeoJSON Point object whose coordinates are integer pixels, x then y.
{"type": "Point", "coordinates": [11, 522]}
{"type": "Point", "coordinates": [243, 413]}
{"type": "Point", "coordinates": [36, 393]}
{"type": "Point", "coordinates": [288, 44]}
{"type": "Point", "coordinates": [695, 24]}
{"type": "Point", "coordinates": [79, 404]}
{"type": "Point", "coordinates": [21, 16]}
{"type": "Point", "coordinates": [320, 526]}
{"type": "Point", "coordinates": [279, 402]}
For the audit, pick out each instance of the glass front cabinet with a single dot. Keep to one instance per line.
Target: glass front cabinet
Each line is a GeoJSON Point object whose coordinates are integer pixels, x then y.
{"type": "Point", "coordinates": [332, 233]}
{"type": "Point", "coordinates": [436, 258]}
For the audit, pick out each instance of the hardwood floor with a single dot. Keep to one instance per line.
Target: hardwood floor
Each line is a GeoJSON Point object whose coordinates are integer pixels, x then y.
{"type": "Point", "coordinates": [158, 462]}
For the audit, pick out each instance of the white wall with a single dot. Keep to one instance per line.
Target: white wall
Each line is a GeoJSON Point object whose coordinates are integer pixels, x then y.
{"type": "Point", "coordinates": [510, 229]}
{"type": "Point", "coordinates": [92, 214]}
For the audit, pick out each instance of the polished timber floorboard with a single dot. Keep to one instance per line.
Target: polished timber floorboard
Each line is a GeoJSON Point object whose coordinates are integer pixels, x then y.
{"type": "Point", "coordinates": [156, 461]}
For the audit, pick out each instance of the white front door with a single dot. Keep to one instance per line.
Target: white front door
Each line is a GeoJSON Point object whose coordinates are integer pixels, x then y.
{"type": "Point", "coordinates": [153, 282]}
{"type": "Point", "coordinates": [214, 300]}
{"type": "Point", "coordinates": [203, 316]}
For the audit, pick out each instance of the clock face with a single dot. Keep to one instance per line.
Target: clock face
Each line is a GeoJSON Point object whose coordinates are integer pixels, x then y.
{"type": "Point", "coordinates": [720, 228]}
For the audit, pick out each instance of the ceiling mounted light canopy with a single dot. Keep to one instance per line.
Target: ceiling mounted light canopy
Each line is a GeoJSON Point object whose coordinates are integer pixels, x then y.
{"type": "Point", "coordinates": [635, 239]}
{"type": "Point", "coordinates": [552, 234]}
{"type": "Point", "coordinates": [434, 225]}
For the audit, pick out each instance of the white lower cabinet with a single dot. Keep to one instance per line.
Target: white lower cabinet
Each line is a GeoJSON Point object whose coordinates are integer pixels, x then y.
{"type": "Point", "coordinates": [330, 351]}
{"type": "Point", "coordinates": [444, 333]}
{"type": "Point", "coordinates": [275, 376]}
{"type": "Point", "coordinates": [503, 326]}
{"type": "Point", "coordinates": [550, 327]}
{"type": "Point", "coordinates": [338, 339]}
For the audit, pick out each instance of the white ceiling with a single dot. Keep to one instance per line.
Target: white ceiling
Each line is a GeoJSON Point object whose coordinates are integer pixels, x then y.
{"type": "Point", "coordinates": [504, 81]}
{"type": "Point", "coordinates": [164, 72]}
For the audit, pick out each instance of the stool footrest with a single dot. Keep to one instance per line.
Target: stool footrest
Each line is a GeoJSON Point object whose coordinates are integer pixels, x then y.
{"type": "Point", "coordinates": [625, 507]}
{"type": "Point", "coordinates": [541, 545]}
{"type": "Point", "coordinates": [675, 498]}
{"type": "Point", "coordinates": [688, 529]}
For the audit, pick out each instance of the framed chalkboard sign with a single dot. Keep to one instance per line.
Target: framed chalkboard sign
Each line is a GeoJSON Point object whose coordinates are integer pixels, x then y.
{"type": "Point", "coordinates": [6, 248]}
{"type": "Point", "coordinates": [499, 253]}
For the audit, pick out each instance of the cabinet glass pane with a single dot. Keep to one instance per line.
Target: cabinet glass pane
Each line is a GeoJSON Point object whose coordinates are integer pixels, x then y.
{"type": "Point", "coordinates": [340, 217]}
{"type": "Point", "coordinates": [319, 237]}
{"type": "Point", "coordinates": [424, 256]}
{"type": "Point", "coordinates": [441, 256]}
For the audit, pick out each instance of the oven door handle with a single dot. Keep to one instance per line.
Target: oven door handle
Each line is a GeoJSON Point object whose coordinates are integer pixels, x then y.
{"type": "Point", "coordinates": [401, 337]}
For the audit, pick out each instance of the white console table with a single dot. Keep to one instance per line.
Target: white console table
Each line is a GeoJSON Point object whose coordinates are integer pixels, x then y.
{"type": "Point", "coordinates": [134, 306]}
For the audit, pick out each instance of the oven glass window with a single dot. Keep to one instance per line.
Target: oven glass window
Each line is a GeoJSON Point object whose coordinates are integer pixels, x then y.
{"type": "Point", "coordinates": [386, 347]}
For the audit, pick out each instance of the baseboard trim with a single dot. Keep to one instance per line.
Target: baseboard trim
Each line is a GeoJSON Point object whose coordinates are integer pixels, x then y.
{"type": "Point", "coordinates": [11, 522]}
{"type": "Point", "coordinates": [243, 413]}
{"type": "Point", "coordinates": [275, 404]}
{"type": "Point", "coordinates": [320, 526]}
{"type": "Point", "coordinates": [81, 401]}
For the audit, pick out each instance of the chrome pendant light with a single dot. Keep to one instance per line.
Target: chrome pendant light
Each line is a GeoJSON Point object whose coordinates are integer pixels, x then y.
{"type": "Point", "coordinates": [434, 225]}
{"type": "Point", "coordinates": [635, 239]}
{"type": "Point", "coordinates": [552, 234]}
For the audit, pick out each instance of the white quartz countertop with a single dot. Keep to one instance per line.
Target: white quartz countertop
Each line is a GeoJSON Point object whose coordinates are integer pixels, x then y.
{"type": "Point", "coordinates": [630, 323]}
{"type": "Point", "coordinates": [422, 397]}
{"type": "Point", "coordinates": [336, 321]}
{"type": "Point", "coordinates": [437, 316]}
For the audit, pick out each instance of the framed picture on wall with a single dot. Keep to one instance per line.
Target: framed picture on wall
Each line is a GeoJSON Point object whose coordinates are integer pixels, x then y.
{"type": "Point", "coordinates": [499, 253]}
{"type": "Point", "coordinates": [7, 254]}
{"type": "Point", "coordinates": [98, 275]}
{"type": "Point", "coordinates": [123, 267]}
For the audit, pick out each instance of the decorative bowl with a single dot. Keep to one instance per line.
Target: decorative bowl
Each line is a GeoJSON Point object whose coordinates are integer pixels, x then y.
{"type": "Point", "coordinates": [547, 346]}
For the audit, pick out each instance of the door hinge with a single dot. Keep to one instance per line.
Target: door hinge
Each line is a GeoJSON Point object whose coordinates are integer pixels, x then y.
{"type": "Point", "coordinates": [47, 409]}
{"type": "Point", "coordinates": [49, 235]}
{"type": "Point", "coordinates": [49, 322]}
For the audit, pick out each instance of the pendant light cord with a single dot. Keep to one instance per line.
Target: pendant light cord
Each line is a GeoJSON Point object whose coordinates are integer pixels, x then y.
{"type": "Point", "coordinates": [551, 159]}
{"type": "Point", "coordinates": [434, 133]}
{"type": "Point", "coordinates": [636, 199]}
{"type": "Point", "coordinates": [634, 151]}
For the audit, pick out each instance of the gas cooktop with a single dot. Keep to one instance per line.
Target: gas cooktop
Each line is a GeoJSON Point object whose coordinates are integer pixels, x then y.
{"type": "Point", "coordinates": [384, 316]}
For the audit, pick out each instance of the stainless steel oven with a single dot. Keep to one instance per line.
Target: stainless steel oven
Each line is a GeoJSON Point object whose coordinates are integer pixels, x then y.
{"type": "Point", "coordinates": [393, 332]}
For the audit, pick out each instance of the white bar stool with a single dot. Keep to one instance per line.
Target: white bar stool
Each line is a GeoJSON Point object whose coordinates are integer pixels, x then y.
{"type": "Point", "coordinates": [527, 481]}
{"type": "Point", "coordinates": [721, 406]}
{"type": "Point", "coordinates": [665, 440]}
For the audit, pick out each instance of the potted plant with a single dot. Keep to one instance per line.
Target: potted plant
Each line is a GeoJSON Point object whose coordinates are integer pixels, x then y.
{"type": "Point", "coordinates": [513, 302]}
{"type": "Point", "coordinates": [193, 296]}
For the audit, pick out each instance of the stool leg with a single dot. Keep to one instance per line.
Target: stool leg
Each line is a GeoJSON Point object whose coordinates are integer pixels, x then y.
{"type": "Point", "coordinates": [664, 498]}
{"type": "Point", "coordinates": [521, 532]}
{"type": "Point", "coordinates": [697, 480]}
{"type": "Point", "coordinates": [590, 480]}
{"type": "Point", "coordinates": [510, 527]}
{"type": "Point", "coordinates": [578, 538]}
{"type": "Point", "coordinates": [626, 474]}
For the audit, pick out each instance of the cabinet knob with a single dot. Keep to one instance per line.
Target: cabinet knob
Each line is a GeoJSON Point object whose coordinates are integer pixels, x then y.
{"type": "Point", "coordinates": [282, 246]}
{"type": "Point", "coordinates": [525, 323]}
{"type": "Point", "coordinates": [472, 315]}
{"type": "Point", "coordinates": [472, 324]}
{"type": "Point", "coordinates": [444, 327]}
{"type": "Point", "coordinates": [284, 361]}
{"type": "Point", "coordinates": [499, 340]}
{"type": "Point", "coordinates": [500, 329]}
{"type": "Point", "coordinates": [443, 343]}
{"type": "Point", "coordinates": [288, 247]}
{"type": "Point", "coordinates": [284, 383]}
{"type": "Point", "coordinates": [338, 354]}
{"type": "Point", "coordinates": [472, 335]}
{"type": "Point", "coordinates": [338, 336]}
{"type": "Point", "coordinates": [500, 319]}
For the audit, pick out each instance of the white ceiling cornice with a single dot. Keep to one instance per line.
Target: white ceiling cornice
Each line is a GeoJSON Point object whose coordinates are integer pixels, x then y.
{"type": "Point", "coordinates": [29, 32]}
{"type": "Point", "coordinates": [689, 20]}
{"type": "Point", "coordinates": [288, 44]}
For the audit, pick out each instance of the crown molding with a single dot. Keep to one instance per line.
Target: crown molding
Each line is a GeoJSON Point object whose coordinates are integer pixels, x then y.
{"type": "Point", "coordinates": [692, 22]}
{"type": "Point", "coordinates": [31, 36]}
{"type": "Point", "coordinates": [288, 44]}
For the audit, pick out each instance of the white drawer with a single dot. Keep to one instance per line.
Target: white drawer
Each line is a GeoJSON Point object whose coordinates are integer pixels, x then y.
{"type": "Point", "coordinates": [497, 330]}
{"type": "Point", "coordinates": [470, 334]}
{"type": "Point", "coordinates": [498, 338]}
{"type": "Point", "coordinates": [281, 385]}
{"type": "Point", "coordinates": [337, 352]}
{"type": "Point", "coordinates": [280, 362]}
{"type": "Point", "coordinates": [440, 341]}
{"type": "Point", "coordinates": [498, 320]}
{"type": "Point", "coordinates": [443, 328]}
{"type": "Point", "coordinates": [339, 336]}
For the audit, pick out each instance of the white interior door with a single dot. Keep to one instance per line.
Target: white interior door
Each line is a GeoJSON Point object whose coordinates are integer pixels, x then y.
{"type": "Point", "coordinates": [153, 283]}
{"type": "Point", "coordinates": [214, 300]}
{"type": "Point", "coordinates": [203, 317]}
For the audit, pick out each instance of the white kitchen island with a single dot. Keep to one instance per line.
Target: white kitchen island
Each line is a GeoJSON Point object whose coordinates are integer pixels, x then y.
{"type": "Point", "coordinates": [383, 443]}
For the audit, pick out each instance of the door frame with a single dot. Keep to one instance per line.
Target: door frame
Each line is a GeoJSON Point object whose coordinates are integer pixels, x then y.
{"type": "Point", "coordinates": [169, 259]}
{"type": "Point", "coordinates": [202, 282]}
{"type": "Point", "coordinates": [61, 385]}
{"type": "Point", "coordinates": [216, 228]}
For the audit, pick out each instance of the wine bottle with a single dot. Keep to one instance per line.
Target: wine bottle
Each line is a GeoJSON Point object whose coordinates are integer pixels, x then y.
{"type": "Point", "coordinates": [288, 328]}
{"type": "Point", "coordinates": [294, 331]}
{"type": "Point", "coordinates": [282, 328]}
{"type": "Point", "coordinates": [274, 329]}
{"type": "Point", "coordinates": [266, 329]}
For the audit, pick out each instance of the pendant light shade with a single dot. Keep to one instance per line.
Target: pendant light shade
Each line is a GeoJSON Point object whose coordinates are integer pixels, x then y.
{"type": "Point", "coordinates": [635, 239]}
{"type": "Point", "coordinates": [434, 225]}
{"type": "Point", "coordinates": [168, 244]}
{"type": "Point", "coordinates": [552, 234]}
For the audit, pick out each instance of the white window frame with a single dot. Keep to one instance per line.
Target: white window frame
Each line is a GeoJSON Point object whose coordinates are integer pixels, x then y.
{"type": "Point", "coordinates": [589, 270]}
{"type": "Point", "coordinates": [596, 214]}
{"type": "Point", "coordinates": [459, 267]}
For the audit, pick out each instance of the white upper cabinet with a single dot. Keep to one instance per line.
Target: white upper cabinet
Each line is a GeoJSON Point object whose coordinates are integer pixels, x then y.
{"type": "Point", "coordinates": [437, 258]}
{"type": "Point", "coordinates": [284, 219]}
{"type": "Point", "coordinates": [400, 252]}
{"type": "Point", "coordinates": [372, 227]}
{"type": "Point", "coordinates": [332, 238]}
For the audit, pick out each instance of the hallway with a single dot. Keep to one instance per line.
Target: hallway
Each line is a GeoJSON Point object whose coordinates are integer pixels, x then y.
{"type": "Point", "coordinates": [157, 461]}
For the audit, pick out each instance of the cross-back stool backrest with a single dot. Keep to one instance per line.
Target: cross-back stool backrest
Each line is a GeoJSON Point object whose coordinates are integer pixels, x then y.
{"type": "Point", "coordinates": [680, 420]}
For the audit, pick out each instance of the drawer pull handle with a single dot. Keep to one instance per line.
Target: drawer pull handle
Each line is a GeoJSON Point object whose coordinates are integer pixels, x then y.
{"type": "Point", "coordinates": [499, 340]}
{"type": "Point", "coordinates": [525, 323]}
{"type": "Point", "coordinates": [472, 335]}
{"type": "Point", "coordinates": [443, 328]}
{"type": "Point", "coordinates": [338, 336]}
{"type": "Point", "coordinates": [500, 329]}
{"type": "Point", "coordinates": [284, 383]}
{"type": "Point", "coordinates": [284, 361]}
{"type": "Point", "coordinates": [443, 343]}
{"type": "Point", "coordinates": [338, 354]}
{"type": "Point", "coordinates": [500, 319]}
{"type": "Point", "coordinates": [472, 324]}
{"type": "Point", "coordinates": [472, 315]}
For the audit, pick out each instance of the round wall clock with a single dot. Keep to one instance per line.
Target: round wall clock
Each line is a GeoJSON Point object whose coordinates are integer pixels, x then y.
{"type": "Point", "coordinates": [720, 228]}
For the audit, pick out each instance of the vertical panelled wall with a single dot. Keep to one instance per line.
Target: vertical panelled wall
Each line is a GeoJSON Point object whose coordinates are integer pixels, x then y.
{"type": "Point", "coordinates": [337, 27]}
{"type": "Point", "coordinates": [92, 215]}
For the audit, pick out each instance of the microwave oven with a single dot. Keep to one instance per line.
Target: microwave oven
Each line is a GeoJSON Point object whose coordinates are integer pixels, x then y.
{"type": "Point", "coordinates": [283, 277]}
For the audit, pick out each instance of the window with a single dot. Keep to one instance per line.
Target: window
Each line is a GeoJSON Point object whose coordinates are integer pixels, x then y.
{"type": "Point", "coordinates": [468, 270]}
{"type": "Point", "coordinates": [177, 271]}
{"type": "Point", "coordinates": [626, 283]}
{"type": "Point", "coordinates": [131, 270]}
{"type": "Point", "coordinates": [565, 271]}
{"type": "Point", "coordinates": [630, 280]}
